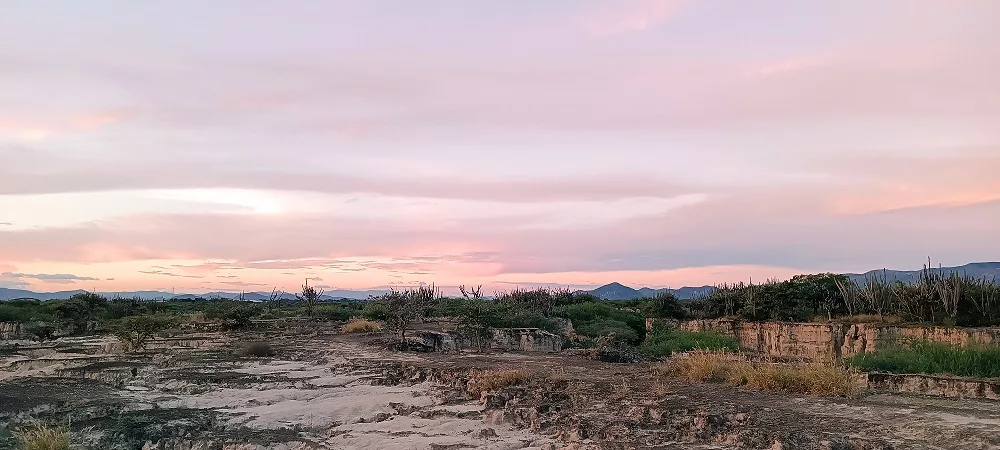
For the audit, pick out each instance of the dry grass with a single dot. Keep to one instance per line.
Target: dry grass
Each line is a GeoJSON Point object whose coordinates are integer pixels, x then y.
{"type": "Point", "coordinates": [810, 379]}
{"type": "Point", "coordinates": [620, 391]}
{"type": "Point", "coordinates": [491, 380]}
{"type": "Point", "coordinates": [360, 326]}
{"type": "Point", "coordinates": [825, 380]}
{"type": "Point", "coordinates": [559, 374]}
{"type": "Point", "coordinates": [44, 437]}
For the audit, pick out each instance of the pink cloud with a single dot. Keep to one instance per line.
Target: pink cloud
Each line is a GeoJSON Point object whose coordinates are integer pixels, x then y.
{"type": "Point", "coordinates": [41, 130]}
{"type": "Point", "coordinates": [629, 16]}
{"type": "Point", "coordinates": [797, 64]}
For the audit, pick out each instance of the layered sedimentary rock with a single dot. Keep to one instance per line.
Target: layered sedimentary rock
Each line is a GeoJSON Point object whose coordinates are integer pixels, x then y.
{"type": "Point", "coordinates": [526, 340]}
{"type": "Point", "coordinates": [510, 339]}
{"type": "Point", "coordinates": [934, 385]}
{"type": "Point", "coordinates": [832, 341]}
{"type": "Point", "coordinates": [10, 330]}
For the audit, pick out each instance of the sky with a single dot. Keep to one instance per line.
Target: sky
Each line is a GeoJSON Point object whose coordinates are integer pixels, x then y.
{"type": "Point", "coordinates": [250, 145]}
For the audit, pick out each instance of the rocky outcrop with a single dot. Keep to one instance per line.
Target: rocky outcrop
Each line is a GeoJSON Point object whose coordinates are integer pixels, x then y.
{"type": "Point", "coordinates": [934, 385]}
{"type": "Point", "coordinates": [526, 340]}
{"type": "Point", "coordinates": [833, 341]}
{"type": "Point", "coordinates": [509, 339]}
{"type": "Point", "coordinates": [11, 330]}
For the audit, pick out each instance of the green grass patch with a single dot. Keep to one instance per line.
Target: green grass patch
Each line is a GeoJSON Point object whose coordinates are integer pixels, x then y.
{"type": "Point", "coordinates": [979, 361]}
{"type": "Point", "coordinates": [663, 342]}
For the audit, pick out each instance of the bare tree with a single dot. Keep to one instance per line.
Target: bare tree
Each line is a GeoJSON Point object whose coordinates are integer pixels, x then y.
{"type": "Point", "coordinates": [311, 296]}
{"type": "Point", "coordinates": [475, 293]}
{"type": "Point", "coordinates": [274, 300]}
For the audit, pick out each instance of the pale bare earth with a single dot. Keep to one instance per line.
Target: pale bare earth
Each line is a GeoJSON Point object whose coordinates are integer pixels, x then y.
{"type": "Point", "coordinates": [328, 391]}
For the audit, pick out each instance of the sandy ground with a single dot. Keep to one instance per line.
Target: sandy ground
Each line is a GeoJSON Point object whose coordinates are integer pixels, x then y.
{"type": "Point", "coordinates": [330, 400]}
{"type": "Point", "coordinates": [329, 391]}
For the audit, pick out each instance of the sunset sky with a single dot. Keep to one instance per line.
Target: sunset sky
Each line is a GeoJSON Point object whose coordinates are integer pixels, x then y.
{"type": "Point", "coordinates": [242, 144]}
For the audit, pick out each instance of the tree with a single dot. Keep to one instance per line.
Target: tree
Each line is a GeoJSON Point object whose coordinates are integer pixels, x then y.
{"type": "Point", "coordinates": [311, 296]}
{"type": "Point", "coordinates": [274, 300]}
{"type": "Point", "coordinates": [664, 305]}
{"type": "Point", "coordinates": [475, 293]}
{"type": "Point", "coordinates": [477, 321]}
{"type": "Point", "coordinates": [403, 308]}
{"type": "Point", "coordinates": [135, 331]}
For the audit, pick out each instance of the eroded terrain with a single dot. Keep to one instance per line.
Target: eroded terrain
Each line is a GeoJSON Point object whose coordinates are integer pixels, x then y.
{"type": "Point", "coordinates": [325, 390]}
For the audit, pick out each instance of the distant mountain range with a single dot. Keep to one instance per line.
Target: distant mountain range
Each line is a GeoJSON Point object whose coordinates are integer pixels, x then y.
{"type": "Point", "coordinates": [618, 291]}
{"type": "Point", "coordinates": [12, 294]}
{"type": "Point", "coordinates": [988, 270]}
{"type": "Point", "coordinates": [612, 291]}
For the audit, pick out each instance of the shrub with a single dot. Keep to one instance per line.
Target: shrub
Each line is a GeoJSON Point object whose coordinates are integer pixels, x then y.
{"type": "Point", "coordinates": [403, 308]}
{"type": "Point", "coordinates": [41, 331]}
{"type": "Point", "coordinates": [44, 437]}
{"type": "Point", "coordinates": [596, 319]}
{"type": "Point", "coordinates": [234, 315]}
{"type": "Point", "coordinates": [664, 306]}
{"type": "Point", "coordinates": [334, 312]}
{"type": "Point", "coordinates": [613, 350]}
{"type": "Point", "coordinates": [258, 349]}
{"type": "Point", "coordinates": [663, 342]}
{"type": "Point", "coordinates": [135, 331]}
{"type": "Point", "coordinates": [982, 361]}
{"type": "Point", "coordinates": [605, 327]}
{"type": "Point", "coordinates": [374, 311]}
{"type": "Point", "coordinates": [491, 380]}
{"type": "Point", "coordinates": [360, 326]}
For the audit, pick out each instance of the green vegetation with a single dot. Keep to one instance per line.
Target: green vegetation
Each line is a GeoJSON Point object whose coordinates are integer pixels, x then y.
{"type": "Point", "coordinates": [403, 308]}
{"type": "Point", "coordinates": [936, 297]}
{"type": "Point", "coordinates": [663, 342]}
{"type": "Point", "coordinates": [981, 361]}
{"type": "Point", "coordinates": [26, 311]}
{"type": "Point", "coordinates": [135, 331]}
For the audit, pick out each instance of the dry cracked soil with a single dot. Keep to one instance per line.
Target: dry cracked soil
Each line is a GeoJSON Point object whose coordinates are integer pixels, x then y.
{"type": "Point", "coordinates": [325, 390]}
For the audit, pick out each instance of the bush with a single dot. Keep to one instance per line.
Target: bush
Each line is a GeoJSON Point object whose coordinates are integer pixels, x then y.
{"type": "Point", "coordinates": [605, 327]}
{"type": "Point", "coordinates": [334, 312]}
{"type": "Point", "coordinates": [234, 315]}
{"type": "Point", "coordinates": [135, 331]}
{"type": "Point", "coordinates": [360, 326]}
{"type": "Point", "coordinates": [596, 319]}
{"type": "Point", "coordinates": [374, 311]}
{"type": "Point", "coordinates": [258, 349]}
{"type": "Point", "coordinates": [663, 342]}
{"type": "Point", "coordinates": [981, 361]}
{"type": "Point", "coordinates": [44, 437]}
{"type": "Point", "coordinates": [613, 350]}
{"type": "Point", "coordinates": [450, 307]}
{"type": "Point", "coordinates": [41, 331]}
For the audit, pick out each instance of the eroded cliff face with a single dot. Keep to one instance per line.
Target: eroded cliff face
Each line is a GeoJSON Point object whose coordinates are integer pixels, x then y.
{"type": "Point", "coordinates": [825, 342]}
{"type": "Point", "coordinates": [10, 330]}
